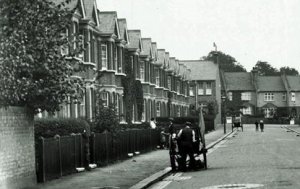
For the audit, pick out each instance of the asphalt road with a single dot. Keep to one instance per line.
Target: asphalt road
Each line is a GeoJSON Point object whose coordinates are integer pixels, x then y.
{"type": "Point", "coordinates": [249, 159]}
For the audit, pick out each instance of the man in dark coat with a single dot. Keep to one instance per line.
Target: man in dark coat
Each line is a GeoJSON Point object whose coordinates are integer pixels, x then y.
{"type": "Point", "coordinates": [186, 136]}
{"type": "Point", "coordinates": [172, 144]}
{"type": "Point", "coordinates": [256, 125]}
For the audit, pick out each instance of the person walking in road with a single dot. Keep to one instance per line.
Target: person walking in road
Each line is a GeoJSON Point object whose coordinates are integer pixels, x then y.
{"type": "Point", "coordinates": [261, 125]}
{"type": "Point", "coordinates": [256, 125]}
{"type": "Point", "coordinates": [186, 136]}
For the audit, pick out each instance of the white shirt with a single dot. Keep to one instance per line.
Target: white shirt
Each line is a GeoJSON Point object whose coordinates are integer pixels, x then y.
{"type": "Point", "coordinates": [152, 124]}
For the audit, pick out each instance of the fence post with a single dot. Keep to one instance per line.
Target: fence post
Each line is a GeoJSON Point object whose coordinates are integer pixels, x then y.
{"type": "Point", "coordinates": [59, 152]}
{"type": "Point", "coordinates": [41, 160]}
{"type": "Point", "coordinates": [92, 147]}
{"type": "Point", "coordinates": [75, 153]}
{"type": "Point", "coordinates": [106, 148]}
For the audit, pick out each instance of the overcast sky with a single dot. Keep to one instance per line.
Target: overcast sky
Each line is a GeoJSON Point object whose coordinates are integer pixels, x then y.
{"type": "Point", "coordinates": [249, 30]}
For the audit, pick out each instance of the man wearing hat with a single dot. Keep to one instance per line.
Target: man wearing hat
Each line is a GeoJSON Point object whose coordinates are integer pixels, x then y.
{"type": "Point", "coordinates": [186, 137]}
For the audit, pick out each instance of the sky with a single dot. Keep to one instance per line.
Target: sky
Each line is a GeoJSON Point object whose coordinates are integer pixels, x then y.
{"type": "Point", "coordinates": [248, 30]}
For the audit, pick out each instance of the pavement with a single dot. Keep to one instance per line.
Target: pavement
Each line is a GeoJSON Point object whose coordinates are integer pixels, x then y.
{"type": "Point", "coordinates": [137, 172]}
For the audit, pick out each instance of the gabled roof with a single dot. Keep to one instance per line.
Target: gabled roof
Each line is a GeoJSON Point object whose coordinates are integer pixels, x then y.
{"type": "Point", "coordinates": [154, 49]}
{"type": "Point", "coordinates": [202, 70]}
{"type": "Point", "coordinates": [91, 10]}
{"type": "Point", "coordinates": [270, 83]}
{"type": "Point", "coordinates": [188, 73]}
{"type": "Point", "coordinates": [182, 69]}
{"type": "Point", "coordinates": [123, 28]}
{"type": "Point", "coordinates": [293, 82]}
{"type": "Point", "coordinates": [71, 5]}
{"type": "Point", "coordinates": [108, 22]}
{"type": "Point", "coordinates": [238, 81]}
{"type": "Point", "coordinates": [167, 60]}
{"type": "Point", "coordinates": [147, 47]}
{"type": "Point", "coordinates": [134, 39]}
{"type": "Point", "coordinates": [171, 67]}
{"type": "Point", "coordinates": [176, 67]}
{"type": "Point", "coordinates": [160, 57]}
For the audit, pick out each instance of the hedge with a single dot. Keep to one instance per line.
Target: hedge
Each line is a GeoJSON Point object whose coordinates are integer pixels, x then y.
{"type": "Point", "coordinates": [49, 127]}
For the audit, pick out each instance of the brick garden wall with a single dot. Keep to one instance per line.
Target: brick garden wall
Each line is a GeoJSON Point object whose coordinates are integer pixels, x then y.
{"type": "Point", "coordinates": [17, 152]}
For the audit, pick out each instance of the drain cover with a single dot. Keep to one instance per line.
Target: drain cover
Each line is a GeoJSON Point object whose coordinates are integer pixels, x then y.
{"type": "Point", "coordinates": [234, 186]}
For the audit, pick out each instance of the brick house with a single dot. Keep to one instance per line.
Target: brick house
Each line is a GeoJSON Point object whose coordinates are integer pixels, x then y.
{"type": "Point", "coordinates": [205, 84]}
{"type": "Point", "coordinates": [271, 95]}
{"type": "Point", "coordinates": [240, 91]}
{"type": "Point", "coordinates": [292, 85]}
{"type": "Point", "coordinates": [109, 47]}
{"type": "Point", "coordinates": [254, 94]}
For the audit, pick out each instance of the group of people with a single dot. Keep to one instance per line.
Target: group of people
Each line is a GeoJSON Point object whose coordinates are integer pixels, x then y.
{"type": "Point", "coordinates": [260, 124]}
{"type": "Point", "coordinates": [181, 144]}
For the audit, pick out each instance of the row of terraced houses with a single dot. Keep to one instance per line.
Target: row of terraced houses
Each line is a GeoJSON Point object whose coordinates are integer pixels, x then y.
{"type": "Point", "coordinates": [170, 86]}
{"type": "Point", "coordinates": [110, 46]}
{"type": "Point", "coordinates": [253, 94]}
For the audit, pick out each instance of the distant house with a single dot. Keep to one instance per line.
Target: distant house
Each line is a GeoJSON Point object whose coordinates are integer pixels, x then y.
{"type": "Point", "coordinates": [292, 84]}
{"type": "Point", "coordinates": [240, 91]}
{"type": "Point", "coordinates": [205, 84]}
{"type": "Point", "coordinates": [253, 94]}
{"type": "Point", "coordinates": [271, 95]}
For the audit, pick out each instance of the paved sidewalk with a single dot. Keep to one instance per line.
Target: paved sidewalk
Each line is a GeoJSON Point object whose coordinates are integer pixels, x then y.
{"type": "Point", "coordinates": [123, 174]}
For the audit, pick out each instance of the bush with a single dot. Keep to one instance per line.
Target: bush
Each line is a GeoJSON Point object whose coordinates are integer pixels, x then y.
{"type": "Point", "coordinates": [106, 119]}
{"type": "Point", "coordinates": [49, 127]}
{"type": "Point", "coordinates": [143, 125]}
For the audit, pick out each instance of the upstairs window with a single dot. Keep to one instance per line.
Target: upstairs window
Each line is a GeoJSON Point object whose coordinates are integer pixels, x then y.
{"type": "Point", "coordinates": [283, 96]}
{"type": "Point", "coordinates": [200, 89]}
{"type": "Point", "coordinates": [192, 91]}
{"type": "Point", "coordinates": [92, 47]}
{"type": "Point", "coordinates": [269, 97]}
{"type": "Point", "coordinates": [157, 109]}
{"type": "Point", "coordinates": [120, 61]}
{"type": "Point", "coordinates": [208, 88]}
{"type": "Point", "coordinates": [104, 56]}
{"type": "Point", "coordinates": [65, 49]}
{"type": "Point", "coordinates": [157, 77]}
{"type": "Point", "coordinates": [229, 96]}
{"type": "Point", "coordinates": [246, 96]}
{"type": "Point", "coordinates": [142, 71]}
{"type": "Point", "coordinates": [293, 97]}
{"type": "Point", "coordinates": [105, 98]}
{"type": "Point", "coordinates": [116, 57]}
{"type": "Point", "coordinates": [178, 86]}
{"type": "Point", "coordinates": [169, 83]}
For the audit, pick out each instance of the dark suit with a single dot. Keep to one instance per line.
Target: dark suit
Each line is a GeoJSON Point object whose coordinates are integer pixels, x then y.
{"type": "Point", "coordinates": [186, 137]}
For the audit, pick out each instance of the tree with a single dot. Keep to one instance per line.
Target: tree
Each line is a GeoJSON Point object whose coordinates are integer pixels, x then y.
{"type": "Point", "coordinates": [106, 118]}
{"type": "Point", "coordinates": [227, 62]}
{"type": "Point", "coordinates": [289, 71]}
{"type": "Point", "coordinates": [264, 68]}
{"type": "Point", "coordinates": [34, 72]}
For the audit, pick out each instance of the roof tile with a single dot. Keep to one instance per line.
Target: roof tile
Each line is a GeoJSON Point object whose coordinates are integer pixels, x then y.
{"type": "Point", "coordinates": [240, 81]}
{"type": "Point", "coordinates": [202, 70]}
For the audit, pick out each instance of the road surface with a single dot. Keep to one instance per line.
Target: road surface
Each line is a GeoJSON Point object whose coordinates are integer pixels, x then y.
{"type": "Point", "coordinates": [248, 159]}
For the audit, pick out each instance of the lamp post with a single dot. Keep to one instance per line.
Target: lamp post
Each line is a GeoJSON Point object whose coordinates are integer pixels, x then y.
{"type": "Point", "coordinates": [224, 98]}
